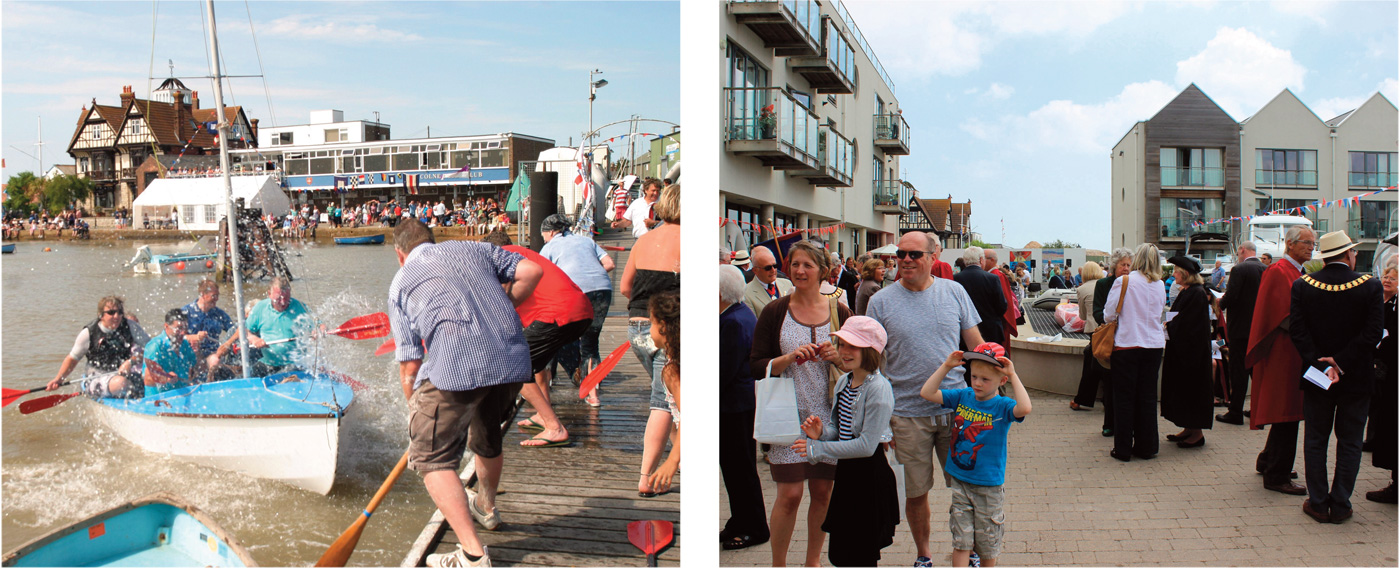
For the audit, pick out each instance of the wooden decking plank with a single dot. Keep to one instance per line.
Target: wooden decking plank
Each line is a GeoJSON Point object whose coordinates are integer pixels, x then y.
{"type": "Point", "coordinates": [570, 506]}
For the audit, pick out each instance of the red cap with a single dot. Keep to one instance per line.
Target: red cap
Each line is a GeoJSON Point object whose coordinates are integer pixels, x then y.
{"type": "Point", "coordinates": [986, 352]}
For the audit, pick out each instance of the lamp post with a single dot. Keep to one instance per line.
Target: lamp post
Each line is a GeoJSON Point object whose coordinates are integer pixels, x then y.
{"type": "Point", "coordinates": [593, 94]}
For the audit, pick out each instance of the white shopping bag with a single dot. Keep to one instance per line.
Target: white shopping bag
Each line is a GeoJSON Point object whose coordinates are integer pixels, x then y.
{"type": "Point", "coordinates": [898, 478]}
{"type": "Point", "coordinates": [776, 419]}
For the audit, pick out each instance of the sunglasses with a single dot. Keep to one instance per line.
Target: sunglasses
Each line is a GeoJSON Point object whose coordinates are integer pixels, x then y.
{"type": "Point", "coordinates": [768, 267]}
{"type": "Point", "coordinates": [913, 255]}
{"type": "Point", "coordinates": [111, 312]}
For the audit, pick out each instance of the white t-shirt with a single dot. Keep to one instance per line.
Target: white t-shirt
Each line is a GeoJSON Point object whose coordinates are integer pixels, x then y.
{"type": "Point", "coordinates": [637, 214]}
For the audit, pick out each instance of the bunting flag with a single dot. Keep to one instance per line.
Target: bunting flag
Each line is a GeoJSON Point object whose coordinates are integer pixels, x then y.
{"type": "Point", "coordinates": [465, 172]}
{"type": "Point", "coordinates": [783, 229]}
{"type": "Point", "coordinates": [410, 181]}
{"type": "Point", "coordinates": [1347, 203]}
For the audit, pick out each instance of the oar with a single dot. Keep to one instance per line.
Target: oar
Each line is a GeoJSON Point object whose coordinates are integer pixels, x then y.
{"type": "Point", "coordinates": [339, 552]}
{"type": "Point", "coordinates": [13, 395]}
{"type": "Point", "coordinates": [45, 402]}
{"type": "Point", "coordinates": [650, 536]}
{"type": "Point", "coordinates": [386, 347]}
{"type": "Point", "coordinates": [600, 372]}
{"type": "Point", "coordinates": [358, 328]}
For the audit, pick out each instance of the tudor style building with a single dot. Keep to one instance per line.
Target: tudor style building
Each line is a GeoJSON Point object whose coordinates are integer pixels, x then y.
{"type": "Point", "coordinates": [110, 143]}
{"type": "Point", "coordinates": [949, 220]}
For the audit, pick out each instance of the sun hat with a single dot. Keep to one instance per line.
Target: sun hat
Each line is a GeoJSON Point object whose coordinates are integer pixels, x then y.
{"type": "Point", "coordinates": [863, 332]}
{"type": "Point", "coordinates": [1334, 243]}
{"type": "Point", "coordinates": [986, 352]}
{"type": "Point", "coordinates": [740, 259]}
{"type": "Point", "coordinates": [1188, 264]}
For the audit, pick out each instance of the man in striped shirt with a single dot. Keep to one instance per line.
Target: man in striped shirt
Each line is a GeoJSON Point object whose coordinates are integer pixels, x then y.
{"type": "Point", "coordinates": [462, 359]}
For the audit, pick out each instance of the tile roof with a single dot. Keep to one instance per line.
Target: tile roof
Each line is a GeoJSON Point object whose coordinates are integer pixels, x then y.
{"type": "Point", "coordinates": [936, 211]}
{"type": "Point", "coordinates": [958, 215]}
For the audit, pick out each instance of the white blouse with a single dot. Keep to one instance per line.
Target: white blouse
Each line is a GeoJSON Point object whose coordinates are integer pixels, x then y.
{"type": "Point", "coordinates": [1141, 320]}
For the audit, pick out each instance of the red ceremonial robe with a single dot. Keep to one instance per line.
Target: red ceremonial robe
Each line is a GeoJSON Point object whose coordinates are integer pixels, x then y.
{"type": "Point", "coordinates": [1012, 308]}
{"type": "Point", "coordinates": [941, 270]}
{"type": "Point", "coordinates": [1275, 395]}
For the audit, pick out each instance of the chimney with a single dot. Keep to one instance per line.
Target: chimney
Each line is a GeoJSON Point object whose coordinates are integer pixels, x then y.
{"type": "Point", "coordinates": [253, 136]}
{"type": "Point", "coordinates": [127, 95]}
{"type": "Point", "coordinates": [194, 99]}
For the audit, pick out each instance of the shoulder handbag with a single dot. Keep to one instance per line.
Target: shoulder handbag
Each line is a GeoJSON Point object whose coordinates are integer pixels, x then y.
{"type": "Point", "coordinates": [1102, 340]}
{"type": "Point", "coordinates": [776, 418]}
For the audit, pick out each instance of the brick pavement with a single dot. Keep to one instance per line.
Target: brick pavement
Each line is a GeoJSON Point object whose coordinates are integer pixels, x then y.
{"type": "Point", "coordinates": [1069, 503]}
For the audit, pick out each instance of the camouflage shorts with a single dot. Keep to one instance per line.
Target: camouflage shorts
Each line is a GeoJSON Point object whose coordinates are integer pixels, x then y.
{"type": "Point", "coordinates": [975, 517]}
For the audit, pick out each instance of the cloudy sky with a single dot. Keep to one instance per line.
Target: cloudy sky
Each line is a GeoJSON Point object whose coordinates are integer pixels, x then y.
{"type": "Point", "coordinates": [460, 68]}
{"type": "Point", "coordinates": [1015, 105]}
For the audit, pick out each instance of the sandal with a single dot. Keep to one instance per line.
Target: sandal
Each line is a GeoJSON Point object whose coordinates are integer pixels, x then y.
{"type": "Point", "coordinates": [566, 441]}
{"type": "Point", "coordinates": [740, 542]}
{"type": "Point", "coordinates": [530, 425]}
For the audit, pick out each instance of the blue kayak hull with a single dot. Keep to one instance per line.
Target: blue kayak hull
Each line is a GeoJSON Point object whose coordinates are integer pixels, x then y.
{"type": "Point", "coordinates": [366, 240]}
{"type": "Point", "coordinates": [7, 248]}
{"type": "Point", "coordinates": [160, 530]}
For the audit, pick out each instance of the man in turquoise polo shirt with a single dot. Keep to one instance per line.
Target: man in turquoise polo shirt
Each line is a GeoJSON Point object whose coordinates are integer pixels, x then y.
{"type": "Point", "coordinates": [275, 318]}
{"type": "Point", "coordinates": [170, 360]}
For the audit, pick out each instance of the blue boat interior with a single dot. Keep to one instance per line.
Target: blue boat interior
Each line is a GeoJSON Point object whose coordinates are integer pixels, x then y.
{"type": "Point", "coordinates": [153, 535]}
{"type": "Point", "coordinates": [298, 393]}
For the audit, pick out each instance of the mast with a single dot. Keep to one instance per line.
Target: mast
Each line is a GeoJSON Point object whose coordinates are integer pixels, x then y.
{"type": "Point", "coordinates": [232, 215]}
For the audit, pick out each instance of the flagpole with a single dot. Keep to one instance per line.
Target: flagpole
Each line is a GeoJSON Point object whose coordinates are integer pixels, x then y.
{"type": "Point", "coordinates": [232, 217]}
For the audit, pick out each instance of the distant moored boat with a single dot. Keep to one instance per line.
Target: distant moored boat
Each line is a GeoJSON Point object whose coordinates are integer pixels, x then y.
{"type": "Point", "coordinates": [365, 240]}
{"type": "Point", "coordinates": [7, 248]}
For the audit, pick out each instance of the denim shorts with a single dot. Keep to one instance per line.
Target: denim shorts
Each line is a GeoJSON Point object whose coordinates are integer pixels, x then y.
{"type": "Point", "coordinates": [652, 359]}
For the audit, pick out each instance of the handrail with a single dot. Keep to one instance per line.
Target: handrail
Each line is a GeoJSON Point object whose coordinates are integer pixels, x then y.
{"type": "Point", "coordinates": [764, 113]}
{"type": "Point", "coordinates": [864, 45]}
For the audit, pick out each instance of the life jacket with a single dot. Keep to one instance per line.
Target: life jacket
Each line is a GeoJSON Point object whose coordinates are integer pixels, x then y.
{"type": "Point", "coordinates": [107, 351]}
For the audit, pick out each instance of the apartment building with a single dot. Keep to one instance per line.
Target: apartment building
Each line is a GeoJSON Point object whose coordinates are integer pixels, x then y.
{"type": "Point", "coordinates": [1192, 164]}
{"type": "Point", "coordinates": [812, 130]}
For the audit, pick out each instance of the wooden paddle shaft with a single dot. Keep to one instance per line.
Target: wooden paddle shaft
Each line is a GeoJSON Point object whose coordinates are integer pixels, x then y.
{"type": "Point", "coordinates": [388, 483]}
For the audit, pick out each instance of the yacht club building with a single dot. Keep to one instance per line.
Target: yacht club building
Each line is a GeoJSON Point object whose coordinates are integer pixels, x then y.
{"type": "Point", "coordinates": [812, 130]}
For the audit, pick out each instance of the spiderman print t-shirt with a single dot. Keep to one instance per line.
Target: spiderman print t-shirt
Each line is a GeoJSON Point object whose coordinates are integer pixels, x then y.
{"type": "Point", "coordinates": [978, 453]}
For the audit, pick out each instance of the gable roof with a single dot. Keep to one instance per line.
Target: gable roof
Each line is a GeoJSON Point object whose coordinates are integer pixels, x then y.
{"type": "Point", "coordinates": [958, 216]}
{"type": "Point", "coordinates": [936, 212]}
{"type": "Point", "coordinates": [1344, 116]}
{"type": "Point", "coordinates": [1283, 98]}
{"type": "Point", "coordinates": [1339, 119]}
{"type": "Point", "coordinates": [1191, 92]}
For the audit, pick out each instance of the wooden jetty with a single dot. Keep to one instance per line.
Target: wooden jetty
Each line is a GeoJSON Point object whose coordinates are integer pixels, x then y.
{"type": "Point", "coordinates": [570, 506]}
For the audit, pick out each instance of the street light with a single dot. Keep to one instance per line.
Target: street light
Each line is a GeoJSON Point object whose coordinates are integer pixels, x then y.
{"type": "Point", "coordinates": [593, 94]}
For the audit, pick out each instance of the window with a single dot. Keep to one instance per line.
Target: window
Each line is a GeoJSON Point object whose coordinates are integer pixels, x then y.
{"type": "Point", "coordinates": [1285, 167]}
{"type": "Point", "coordinates": [187, 213]}
{"type": "Point", "coordinates": [801, 97]}
{"type": "Point", "coordinates": [744, 71]}
{"type": "Point", "coordinates": [280, 138]}
{"type": "Point", "coordinates": [1201, 167]}
{"type": "Point", "coordinates": [334, 134]}
{"type": "Point", "coordinates": [1177, 214]}
{"type": "Point", "coordinates": [1372, 170]}
{"type": "Point", "coordinates": [209, 212]}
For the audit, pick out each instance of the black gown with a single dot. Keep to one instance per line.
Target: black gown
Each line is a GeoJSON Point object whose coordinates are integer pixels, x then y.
{"type": "Point", "coordinates": [1187, 394]}
{"type": "Point", "coordinates": [1383, 408]}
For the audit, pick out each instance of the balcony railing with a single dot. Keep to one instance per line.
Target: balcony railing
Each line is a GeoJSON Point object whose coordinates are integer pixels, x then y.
{"type": "Point", "coordinates": [1193, 177]}
{"type": "Point", "coordinates": [834, 70]}
{"type": "Point", "coordinates": [1182, 227]}
{"type": "Point", "coordinates": [101, 175]}
{"type": "Point", "coordinates": [835, 166]}
{"type": "Point", "coordinates": [128, 173]}
{"type": "Point", "coordinates": [1285, 177]}
{"type": "Point", "coordinates": [892, 133]}
{"type": "Point", "coordinates": [1371, 179]}
{"type": "Point", "coordinates": [887, 196]}
{"type": "Point", "coordinates": [769, 124]}
{"type": "Point", "coordinates": [1370, 228]}
{"type": "Point", "coordinates": [789, 27]}
{"type": "Point", "coordinates": [864, 45]}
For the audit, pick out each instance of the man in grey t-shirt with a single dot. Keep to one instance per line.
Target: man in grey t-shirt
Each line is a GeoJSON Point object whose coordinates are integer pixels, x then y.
{"type": "Point", "coordinates": [924, 317]}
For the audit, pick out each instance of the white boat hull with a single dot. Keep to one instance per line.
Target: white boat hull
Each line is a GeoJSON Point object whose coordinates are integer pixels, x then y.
{"type": "Point", "coordinates": [299, 451]}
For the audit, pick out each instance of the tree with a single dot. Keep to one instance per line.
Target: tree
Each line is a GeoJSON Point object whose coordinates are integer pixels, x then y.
{"type": "Point", "coordinates": [24, 191]}
{"type": "Point", "coordinates": [1061, 244]}
{"type": "Point", "coordinates": [983, 244]}
{"type": "Point", "coordinates": [60, 192]}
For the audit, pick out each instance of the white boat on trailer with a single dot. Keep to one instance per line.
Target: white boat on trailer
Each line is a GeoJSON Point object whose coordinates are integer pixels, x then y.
{"type": "Point", "coordinates": [283, 427]}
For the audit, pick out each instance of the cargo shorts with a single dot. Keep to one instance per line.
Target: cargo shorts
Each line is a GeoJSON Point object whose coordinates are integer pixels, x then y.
{"type": "Point", "coordinates": [443, 424]}
{"type": "Point", "coordinates": [917, 441]}
{"type": "Point", "coordinates": [976, 518]}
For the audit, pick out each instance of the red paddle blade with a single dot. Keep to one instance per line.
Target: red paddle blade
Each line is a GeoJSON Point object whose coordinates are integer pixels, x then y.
{"type": "Point", "coordinates": [13, 395]}
{"type": "Point", "coordinates": [602, 371]}
{"type": "Point", "coordinates": [364, 327]}
{"type": "Point", "coordinates": [42, 403]}
{"type": "Point", "coordinates": [650, 536]}
{"type": "Point", "coordinates": [386, 347]}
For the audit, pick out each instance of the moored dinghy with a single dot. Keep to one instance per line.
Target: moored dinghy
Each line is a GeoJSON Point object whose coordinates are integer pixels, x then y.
{"type": "Point", "coordinates": [160, 530]}
{"type": "Point", "coordinates": [283, 427]}
{"type": "Point", "coordinates": [7, 248]}
{"type": "Point", "coordinates": [363, 240]}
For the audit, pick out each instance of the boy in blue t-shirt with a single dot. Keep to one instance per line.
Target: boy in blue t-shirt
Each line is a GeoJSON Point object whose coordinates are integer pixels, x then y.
{"type": "Point", "coordinates": [977, 456]}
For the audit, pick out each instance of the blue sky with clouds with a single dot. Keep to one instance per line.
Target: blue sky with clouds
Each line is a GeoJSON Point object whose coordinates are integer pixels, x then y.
{"type": "Point", "coordinates": [1015, 105]}
{"type": "Point", "coordinates": [460, 67]}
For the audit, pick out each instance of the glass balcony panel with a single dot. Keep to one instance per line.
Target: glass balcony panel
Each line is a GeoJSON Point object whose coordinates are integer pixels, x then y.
{"type": "Point", "coordinates": [1168, 176]}
{"type": "Point", "coordinates": [887, 192]}
{"type": "Point", "coordinates": [1199, 177]}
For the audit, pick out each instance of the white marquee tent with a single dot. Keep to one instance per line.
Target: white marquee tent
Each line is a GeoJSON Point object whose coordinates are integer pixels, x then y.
{"type": "Point", "coordinates": [201, 201]}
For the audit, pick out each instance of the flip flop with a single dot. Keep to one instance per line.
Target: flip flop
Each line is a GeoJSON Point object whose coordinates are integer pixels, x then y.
{"type": "Point", "coordinates": [547, 443]}
{"type": "Point", "coordinates": [529, 425]}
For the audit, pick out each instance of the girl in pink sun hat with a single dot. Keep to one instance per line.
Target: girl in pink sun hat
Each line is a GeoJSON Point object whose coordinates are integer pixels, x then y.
{"type": "Point", "coordinates": [863, 511]}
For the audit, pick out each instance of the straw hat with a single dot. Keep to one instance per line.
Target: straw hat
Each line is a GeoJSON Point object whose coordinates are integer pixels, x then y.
{"type": "Point", "coordinates": [1334, 243]}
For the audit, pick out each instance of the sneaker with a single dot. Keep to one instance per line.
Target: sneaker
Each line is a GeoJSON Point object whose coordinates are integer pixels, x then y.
{"type": "Point", "coordinates": [489, 521]}
{"type": "Point", "coordinates": [973, 560]}
{"type": "Point", "coordinates": [923, 562]}
{"type": "Point", "coordinates": [459, 559]}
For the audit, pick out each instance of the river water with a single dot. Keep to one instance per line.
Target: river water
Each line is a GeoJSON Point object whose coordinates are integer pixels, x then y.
{"type": "Point", "coordinates": [61, 464]}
